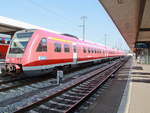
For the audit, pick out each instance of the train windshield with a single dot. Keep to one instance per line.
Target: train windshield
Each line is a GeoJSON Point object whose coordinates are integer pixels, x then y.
{"type": "Point", "coordinates": [19, 42]}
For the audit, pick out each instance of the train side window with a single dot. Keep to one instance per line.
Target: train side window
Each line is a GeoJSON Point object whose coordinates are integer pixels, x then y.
{"type": "Point", "coordinates": [84, 50]}
{"type": "Point", "coordinates": [42, 45]}
{"type": "Point", "coordinates": [74, 49]}
{"type": "Point", "coordinates": [66, 48]}
{"type": "Point", "coordinates": [92, 50]}
{"type": "Point", "coordinates": [89, 50]}
{"type": "Point", "coordinates": [57, 47]}
{"type": "Point", "coordinates": [95, 50]}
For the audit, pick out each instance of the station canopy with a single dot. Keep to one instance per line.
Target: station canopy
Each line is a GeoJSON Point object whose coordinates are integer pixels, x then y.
{"type": "Point", "coordinates": [10, 26]}
{"type": "Point", "coordinates": [132, 18]}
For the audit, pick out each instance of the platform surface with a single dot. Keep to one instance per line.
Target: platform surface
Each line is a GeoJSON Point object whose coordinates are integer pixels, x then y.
{"type": "Point", "coordinates": [140, 94]}
{"type": "Point", "coordinates": [129, 91]}
{"type": "Point", "coordinates": [110, 98]}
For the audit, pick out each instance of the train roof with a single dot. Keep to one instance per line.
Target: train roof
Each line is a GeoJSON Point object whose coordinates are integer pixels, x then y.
{"type": "Point", "coordinates": [89, 43]}
{"type": "Point", "coordinates": [71, 38]}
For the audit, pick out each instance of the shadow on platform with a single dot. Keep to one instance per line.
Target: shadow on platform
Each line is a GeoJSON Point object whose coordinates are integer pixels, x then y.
{"type": "Point", "coordinates": [137, 67]}
{"type": "Point", "coordinates": [141, 73]}
{"type": "Point", "coordinates": [141, 80]}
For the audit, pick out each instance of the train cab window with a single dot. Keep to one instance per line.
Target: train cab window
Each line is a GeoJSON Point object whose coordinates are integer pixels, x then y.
{"type": "Point", "coordinates": [42, 45]}
{"type": "Point", "coordinates": [57, 47]}
{"type": "Point", "coordinates": [84, 50]}
{"type": "Point", "coordinates": [74, 49]}
{"type": "Point", "coordinates": [66, 48]}
{"type": "Point", "coordinates": [89, 50]}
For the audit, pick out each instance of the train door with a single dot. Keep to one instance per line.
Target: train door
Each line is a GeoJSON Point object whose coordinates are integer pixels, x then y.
{"type": "Point", "coordinates": [75, 57]}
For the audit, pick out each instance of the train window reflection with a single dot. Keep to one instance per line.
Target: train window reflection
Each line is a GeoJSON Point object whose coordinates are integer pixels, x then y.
{"type": "Point", "coordinates": [42, 45]}
{"type": "Point", "coordinates": [66, 48]}
{"type": "Point", "coordinates": [57, 47]}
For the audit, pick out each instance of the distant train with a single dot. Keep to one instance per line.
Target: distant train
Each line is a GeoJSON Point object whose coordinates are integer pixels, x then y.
{"type": "Point", "coordinates": [40, 51]}
{"type": "Point", "coordinates": [4, 44]}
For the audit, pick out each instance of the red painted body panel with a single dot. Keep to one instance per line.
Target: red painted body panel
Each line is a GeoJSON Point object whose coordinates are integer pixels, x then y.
{"type": "Point", "coordinates": [3, 50]}
{"type": "Point", "coordinates": [4, 44]}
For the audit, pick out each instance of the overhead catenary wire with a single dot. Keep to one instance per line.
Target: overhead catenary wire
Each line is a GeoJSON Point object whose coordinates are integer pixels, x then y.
{"type": "Point", "coordinates": [64, 20]}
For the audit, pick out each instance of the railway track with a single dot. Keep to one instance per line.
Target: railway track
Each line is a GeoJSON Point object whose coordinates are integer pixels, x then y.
{"type": "Point", "coordinates": [13, 90]}
{"type": "Point", "coordinates": [20, 82]}
{"type": "Point", "coordinates": [11, 82]}
{"type": "Point", "coordinates": [30, 98]}
{"type": "Point", "coordinates": [67, 97]}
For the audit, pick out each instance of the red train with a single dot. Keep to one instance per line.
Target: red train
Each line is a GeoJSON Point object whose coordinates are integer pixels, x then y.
{"type": "Point", "coordinates": [4, 44]}
{"type": "Point", "coordinates": [40, 51]}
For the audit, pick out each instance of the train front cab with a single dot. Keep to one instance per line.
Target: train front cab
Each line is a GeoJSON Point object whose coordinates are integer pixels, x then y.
{"type": "Point", "coordinates": [16, 51]}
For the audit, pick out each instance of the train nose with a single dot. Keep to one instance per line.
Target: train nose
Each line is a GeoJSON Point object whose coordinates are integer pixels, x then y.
{"type": "Point", "coordinates": [10, 68]}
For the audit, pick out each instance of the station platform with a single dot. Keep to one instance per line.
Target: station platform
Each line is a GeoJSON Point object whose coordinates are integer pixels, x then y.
{"type": "Point", "coordinates": [140, 89]}
{"type": "Point", "coordinates": [136, 95]}
{"type": "Point", "coordinates": [129, 91]}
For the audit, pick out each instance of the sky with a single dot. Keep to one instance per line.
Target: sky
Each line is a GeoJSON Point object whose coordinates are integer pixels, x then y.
{"type": "Point", "coordinates": [64, 16]}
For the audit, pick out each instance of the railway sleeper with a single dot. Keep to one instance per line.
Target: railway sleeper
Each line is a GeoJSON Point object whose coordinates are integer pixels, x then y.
{"type": "Point", "coordinates": [89, 87]}
{"type": "Point", "coordinates": [83, 88]}
{"type": "Point", "coordinates": [94, 83]}
{"type": "Point", "coordinates": [85, 85]}
{"type": "Point", "coordinates": [80, 91]}
{"type": "Point", "coordinates": [87, 82]}
{"type": "Point", "coordinates": [57, 105]}
{"type": "Point", "coordinates": [67, 100]}
{"type": "Point", "coordinates": [71, 96]}
{"type": "Point", "coordinates": [33, 111]}
{"type": "Point", "coordinates": [41, 110]}
{"type": "Point", "coordinates": [43, 106]}
{"type": "Point", "coordinates": [75, 93]}
{"type": "Point", "coordinates": [66, 103]}
{"type": "Point", "coordinates": [54, 110]}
